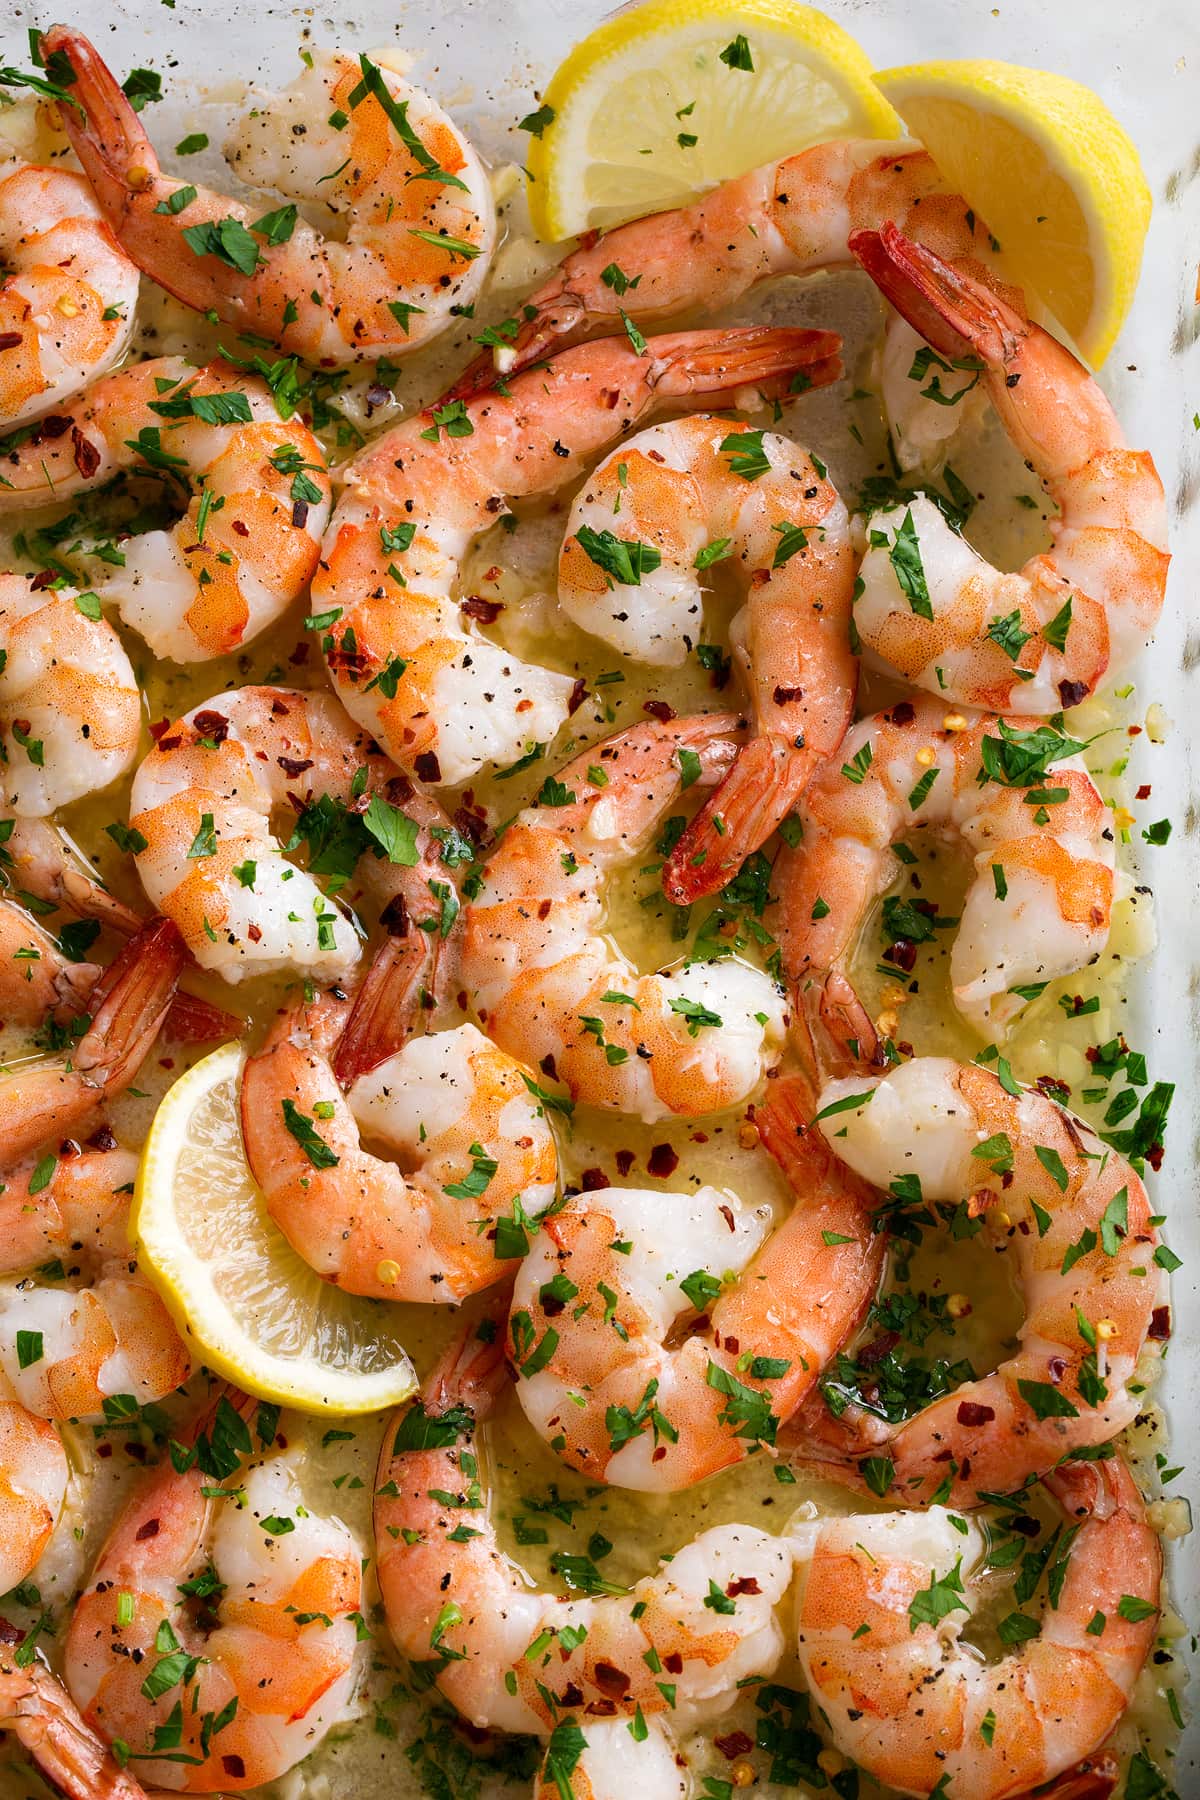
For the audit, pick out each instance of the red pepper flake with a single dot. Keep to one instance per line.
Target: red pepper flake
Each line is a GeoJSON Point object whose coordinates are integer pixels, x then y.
{"type": "Point", "coordinates": [578, 695]}
{"type": "Point", "coordinates": [10, 339]}
{"type": "Point", "coordinates": [427, 766]}
{"type": "Point", "coordinates": [150, 1529]}
{"type": "Point", "coordinates": [662, 1161]}
{"type": "Point", "coordinates": [86, 455]}
{"type": "Point", "coordinates": [659, 709]}
{"type": "Point", "coordinates": [486, 611]}
{"type": "Point", "coordinates": [624, 1160]}
{"type": "Point", "coordinates": [211, 724]}
{"type": "Point", "coordinates": [734, 1744]}
{"type": "Point", "coordinates": [1160, 1323]}
{"type": "Point", "coordinates": [969, 1413]}
{"type": "Point", "coordinates": [1143, 792]}
{"type": "Point", "coordinates": [610, 1680]}
{"type": "Point", "coordinates": [592, 1180]}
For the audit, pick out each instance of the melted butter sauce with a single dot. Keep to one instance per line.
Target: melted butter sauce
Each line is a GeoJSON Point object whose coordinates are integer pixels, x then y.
{"type": "Point", "coordinates": [393, 1738]}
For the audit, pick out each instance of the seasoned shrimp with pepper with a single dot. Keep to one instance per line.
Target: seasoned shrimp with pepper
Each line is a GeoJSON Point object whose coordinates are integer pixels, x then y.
{"type": "Point", "coordinates": [1074, 1217]}
{"type": "Point", "coordinates": [513, 1657]}
{"type": "Point", "coordinates": [67, 292]}
{"type": "Point", "coordinates": [673, 501]}
{"type": "Point", "coordinates": [442, 699]}
{"type": "Point", "coordinates": [233, 1618]}
{"type": "Point", "coordinates": [1017, 797]}
{"type": "Point", "coordinates": [204, 806]}
{"type": "Point", "coordinates": [350, 134]}
{"type": "Point", "coordinates": [549, 985]}
{"type": "Point", "coordinates": [1047, 635]}
{"type": "Point", "coordinates": [70, 707]}
{"type": "Point", "coordinates": [883, 1600]}
{"type": "Point", "coordinates": [254, 489]}
{"type": "Point", "coordinates": [609, 1370]}
{"type": "Point", "coordinates": [479, 1154]}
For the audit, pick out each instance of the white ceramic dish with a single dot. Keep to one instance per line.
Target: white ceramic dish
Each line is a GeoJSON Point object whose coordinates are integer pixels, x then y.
{"type": "Point", "coordinates": [484, 57]}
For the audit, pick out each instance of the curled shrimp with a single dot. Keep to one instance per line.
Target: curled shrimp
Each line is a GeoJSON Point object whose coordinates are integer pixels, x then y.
{"type": "Point", "coordinates": [608, 1368]}
{"type": "Point", "coordinates": [1076, 1219]}
{"type": "Point", "coordinates": [225, 1610]}
{"type": "Point", "coordinates": [37, 1709]}
{"type": "Point", "coordinates": [792, 217]}
{"type": "Point", "coordinates": [205, 801]}
{"type": "Point", "coordinates": [349, 134]}
{"type": "Point", "coordinates": [1020, 800]}
{"type": "Point", "coordinates": [100, 1329]}
{"type": "Point", "coordinates": [517, 1658]}
{"type": "Point", "coordinates": [257, 498]}
{"type": "Point", "coordinates": [671, 496]}
{"type": "Point", "coordinates": [880, 1608]}
{"type": "Point", "coordinates": [553, 990]}
{"type": "Point", "coordinates": [1045, 636]}
{"type": "Point", "coordinates": [475, 1143]}
{"type": "Point", "coordinates": [67, 295]}
{"type": "Point", "coordinates": [443, 700]}
{"type": "Point", "coordinates": [60, 1095]}
{"type": "Point", "coordinates": [70, 706]}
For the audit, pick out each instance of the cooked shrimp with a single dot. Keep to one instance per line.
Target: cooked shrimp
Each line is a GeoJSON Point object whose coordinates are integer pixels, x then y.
{"type": "Point", "coordinates": [38, 980]}
{"type": "Point", "coordinates": [70, 706]}
{"type": "Point", "coordinates": [99, 1328]}
{"type": "Point", "coordinates": [205, 800]}
{"type": "Point", "coordinates": [33, 1486]}
{"type": "Point", "coordinates": [349, 134]}
{"type": "Point", "coordinates": [67, 295]}
{"type": "Point", "coordinates": [552, 989]}
{"type": "Point", "coordinates": [883, 1599]}
{"type": "Point", "coordinates": [57, 1096]}
{"type": "Point", "coordinates": [1045, 636]}
{"type": "Point", "coordinates": [41, 859]}
{"type": "Point", "coordinates": [1076, 1219]}
{"type": "Point", "coordinates": [255, 1669]}
{"type": "Point", "coordinates": [605, 1372]}
{"type": "Point", "coordinates": [517, 1658]}
{"type": "Point", "coordinates": [476, 1149]}
{"type": "Point", "coordinates": [612, 1763]}
{"type": "Point", "coordinates": [1019, 799]}
{"type": "Point", "coordinates": [37, 1709]}
{"type": "Point", "coordinates": [257, 499]}
{"type": "Point", "coordinates": [628, 574]}
{"type": "Point", "coordinates": [441, 699]}
{"type": "Point", "coordinates": [793, 217]}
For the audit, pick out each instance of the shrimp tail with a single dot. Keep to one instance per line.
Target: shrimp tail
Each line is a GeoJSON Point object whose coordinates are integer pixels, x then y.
{"type": "Point", "coordinates": [835, 1031]}
{"type": "Point", "coordinates": [385, 1009]}
{"type": "Point", "coordinates": [105, 132]}
{"type": "Point", "coordinates": [710, 362]}
{"type": "Point", "coordinates": [192, 1020]}
{"type": "Point", "coordinates": [472, 1370]}
{"type": "Point", "coordinates": [132, 1002]}
{"type": "Point", "coordinates": [37, 1709]}
{"type": "Point", "coordinates": [753, 800]}
{"type": "Point", "coordinates": [954, 312]}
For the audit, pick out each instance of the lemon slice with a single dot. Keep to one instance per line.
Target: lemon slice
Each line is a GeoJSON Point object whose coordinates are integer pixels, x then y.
{"type": "Point", "coordinates": [669, 98]}
{"type": "Point", "coordinates": [1053, 173]}
{"type": "Point", "coordinates": [246, 1304]}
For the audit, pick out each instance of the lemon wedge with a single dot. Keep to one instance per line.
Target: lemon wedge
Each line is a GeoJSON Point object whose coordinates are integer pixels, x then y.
{"type": "Point", "coordinates": [1053, 173]}
{"type": "Point", "coordinates": [246, 1304]}
{"type": "Point", "coordinates": [674, 96]}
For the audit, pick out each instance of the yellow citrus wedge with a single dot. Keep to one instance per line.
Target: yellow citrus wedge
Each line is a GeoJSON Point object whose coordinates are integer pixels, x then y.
{"type": "Point", "coordinates": [671, 97]}
{"type": "Point", "coordinates": [246, 1304]}
{"type": "Point", "coordinates": [1044, 161]}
